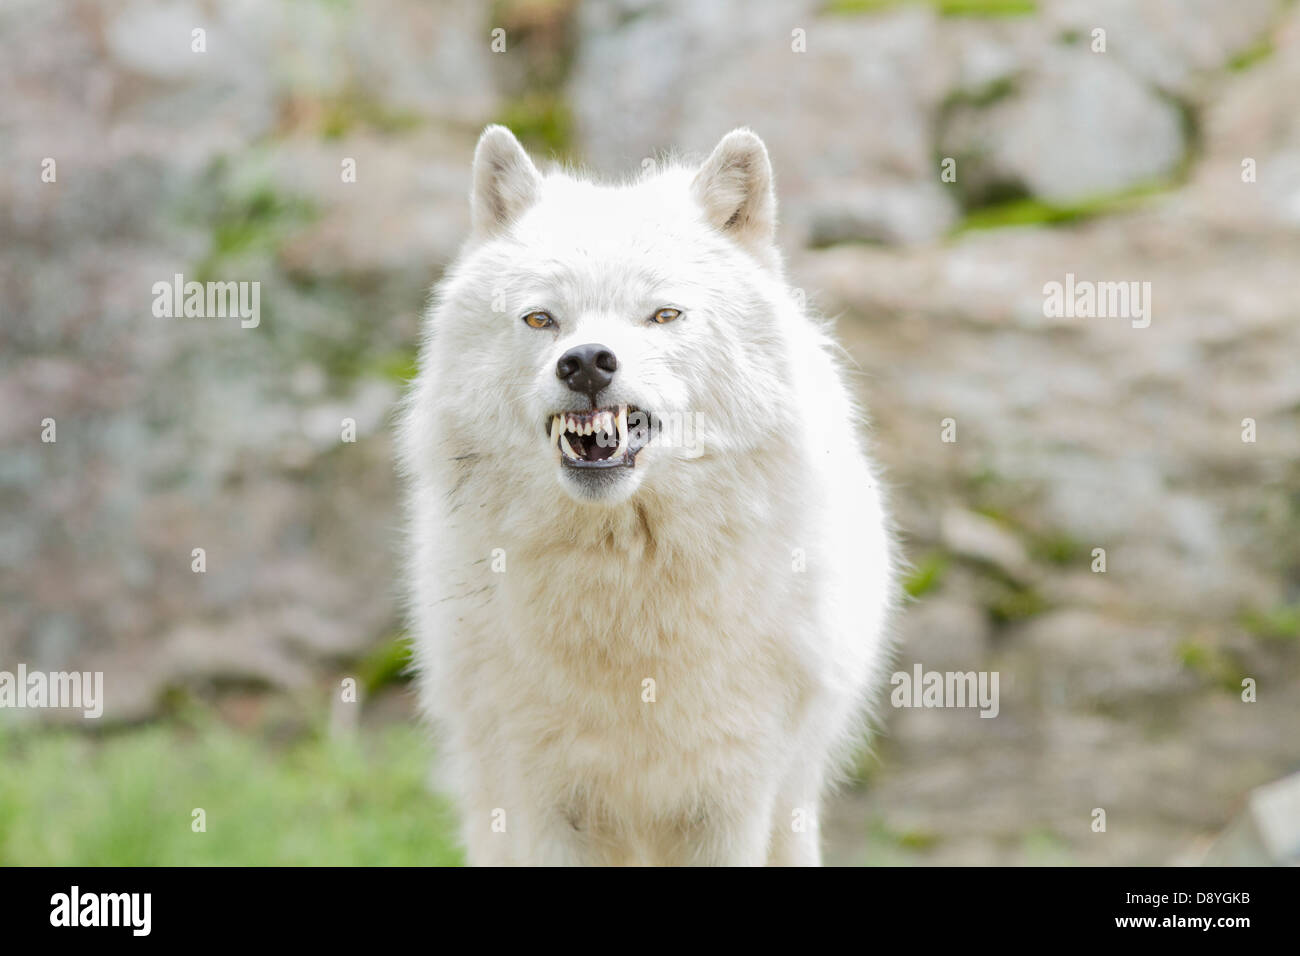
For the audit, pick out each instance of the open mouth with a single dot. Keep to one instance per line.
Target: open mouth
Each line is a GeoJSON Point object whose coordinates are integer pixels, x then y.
{"type": "Point", "coordinates": [600, 438]}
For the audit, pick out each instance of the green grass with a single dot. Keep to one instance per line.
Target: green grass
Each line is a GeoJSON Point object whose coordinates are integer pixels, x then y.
{"type": "Point", "coordinates": [126, 799]}
{"type": "Point", "coordinates": [1042, 847]}
{"type": "Point", "coordinates": [945, 8]}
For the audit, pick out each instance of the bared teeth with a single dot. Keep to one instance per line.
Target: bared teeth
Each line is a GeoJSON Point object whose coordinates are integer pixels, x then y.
{"type": "Point", "coordinates": [605, 424]}
{"type": "Point", "coordinates": [622, 432]}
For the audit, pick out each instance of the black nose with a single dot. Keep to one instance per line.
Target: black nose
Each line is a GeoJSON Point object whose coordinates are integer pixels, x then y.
{"type": "Point", "coordinates": [587, 369]}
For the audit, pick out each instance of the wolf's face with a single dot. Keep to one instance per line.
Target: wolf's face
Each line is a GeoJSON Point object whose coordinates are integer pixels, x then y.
{"type": "Point", "coordinates": [606, 337]}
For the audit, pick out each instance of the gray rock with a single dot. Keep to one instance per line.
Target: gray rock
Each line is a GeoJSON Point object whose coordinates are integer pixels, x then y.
{"type": "Point", "coordinates": [1078, 125]}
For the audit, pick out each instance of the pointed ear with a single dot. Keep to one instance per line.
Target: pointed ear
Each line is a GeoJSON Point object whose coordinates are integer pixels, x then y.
{"type": "Point", "coordinates": [506, 182]}
{"type": "Point", "coordinates": [734, 188]}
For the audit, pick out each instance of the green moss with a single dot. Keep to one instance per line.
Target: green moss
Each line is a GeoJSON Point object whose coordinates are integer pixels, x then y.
{"type": "Point", "coordinates": [912, 840]}
{"type": "Point", "coordinates": [918, 840]}
{"type": "Point", "coordinates": [1252, 55]}
{"type": "Point", "coordinates": [1036, 212]}
{"type": "Point", "coordinates": [354, 110]}
{"type": "Point", "coordinates": [542, 121]}
{"type": "Point", "coordinates": [1021, 212]}
{"type": "Point", "coordinates": [1194, 657]}
{"type": "Point", "coordinates": [1281, 623]}
{"type": "Point", "coordinates": [1211, 665]}
{"type": "Point", "coordinates": [1009, 602]}
{"type": "Point", "coordinates": [388, 664]}
{"type": "Point", "coordinates": [864, 764]}
{"type": "Point", "coordinates": [979, 97]}
{"type": "Point", "coordinates": [398, 365]}
{"type": "Point", "coordinates": [248, 221]}
{"type": "Point", "coordinates": [927, 575]}
{"type": "Point", "coordinates": [1055, 547]}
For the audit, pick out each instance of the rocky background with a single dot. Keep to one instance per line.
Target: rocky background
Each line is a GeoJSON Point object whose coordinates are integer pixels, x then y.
{"type": "Point", "coordinates": [1120, 690]}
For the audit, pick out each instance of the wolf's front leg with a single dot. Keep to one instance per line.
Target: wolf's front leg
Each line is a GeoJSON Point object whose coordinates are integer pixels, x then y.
{"type": "Point", "coordinates": [556, 840]}
{"type": "Point", "coordinates": [737, 835]}
{"type": "Point", "coordinates": [503, 836]}
{"type": "Point", "coordinates": [796, 841]}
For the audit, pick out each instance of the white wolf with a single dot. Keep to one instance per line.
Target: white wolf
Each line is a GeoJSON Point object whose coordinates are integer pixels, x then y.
{"type": "Point", "coordinates": [638, 649]}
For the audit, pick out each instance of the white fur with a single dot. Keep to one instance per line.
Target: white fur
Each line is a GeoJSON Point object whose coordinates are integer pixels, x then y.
{"type": "Point", "coordinates": [683, 570]}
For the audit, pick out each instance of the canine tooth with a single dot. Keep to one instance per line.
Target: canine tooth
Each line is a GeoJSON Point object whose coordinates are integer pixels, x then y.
{"type": "Point", "coordinates": [621, 450]}
{"type": "Point", "coordinates": [556, 427]}
{"type": "Point", "coordinates": [568, 449]}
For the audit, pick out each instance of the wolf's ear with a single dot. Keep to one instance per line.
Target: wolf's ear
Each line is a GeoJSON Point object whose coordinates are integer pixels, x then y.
{"type": "Point", "coordinates": [734, 187]}
{"type": "Point", "coordinates": [505, 181]}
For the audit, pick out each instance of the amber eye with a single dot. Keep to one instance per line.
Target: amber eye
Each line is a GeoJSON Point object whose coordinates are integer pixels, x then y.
{"type": "Point", "coordinates": [539, 320]}
{"type": "Point", "coordinates": [667, 315]}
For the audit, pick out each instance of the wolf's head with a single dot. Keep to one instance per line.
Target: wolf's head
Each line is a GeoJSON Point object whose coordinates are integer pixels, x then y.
{"type": "Point", "coordinates": [609, 338]}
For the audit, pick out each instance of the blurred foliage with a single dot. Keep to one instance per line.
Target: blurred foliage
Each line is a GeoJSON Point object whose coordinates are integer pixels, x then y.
{"type": "Point", "coordinates": [1212, 665]}
{"type": "Point", "coordinates": [1042, 847]}
{"type": "Point", "coordinates": [1008, 602]}
{"type": "Point", "coordinates": [387, 664]}
{"type": "Point", "coordinates": [352, 111]}
{"type": "Point", "coordinates": [542, 121]}
{"type": "Point", "coordinates": [398, 365]}
{"type": "Point", "coordinates": [1252, 55]}
{"type": "Point", "coordinates": [1054, 546]}
{"type": "Point", "coordinates": [543, 40]}
{"type": "Point", "coordinates": [245, 213]}
{"type": "Point", "coordinates": [1036, 212]}
{"type": "Point", "coordinates": [980, 96]}
{"type": "Point", "coordinates": [1280, 623]}
{"type": "Point", "coordinates": [927, 574]}
{"type": "Point", "coordinates": [946, 8]}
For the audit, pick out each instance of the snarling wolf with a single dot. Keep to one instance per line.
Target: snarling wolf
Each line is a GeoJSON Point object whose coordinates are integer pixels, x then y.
{"type": "Point", "coordinates": [649, 567]}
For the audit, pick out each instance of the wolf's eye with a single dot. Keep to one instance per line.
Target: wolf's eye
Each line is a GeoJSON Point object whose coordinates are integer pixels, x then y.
{"type": "Point", "coordinates": [539, 320]}
{"type": "Point", "coordinates": [664, 316]}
